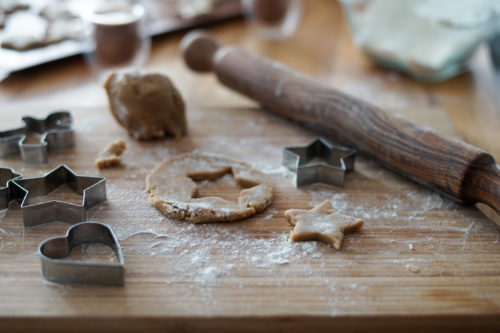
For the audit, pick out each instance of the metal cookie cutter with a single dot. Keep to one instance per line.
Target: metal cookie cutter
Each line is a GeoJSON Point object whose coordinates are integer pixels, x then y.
{"type": "Point", "coordinates": [56, 268]}
{"type": "Point", "coordinates": [55, 133]}
{"type": "Point", "coordinates": [93, 190]}
{"type": "Point", "coordinates": [320, 161]}
{"type": "Point", "coordinates": [6, 176]}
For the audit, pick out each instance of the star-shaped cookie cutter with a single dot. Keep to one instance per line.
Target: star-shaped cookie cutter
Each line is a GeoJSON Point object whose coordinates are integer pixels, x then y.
{"type": "Point", "coordinates": [93, 190]}
{"type": "Point", "coordinates": [57, 268]}
{"type": "Point", "coordinates": [6, 176]}
{"type": "Point", "coordinates": [320, 161]}
{"type": "Point", "coordinates": [55, 133]}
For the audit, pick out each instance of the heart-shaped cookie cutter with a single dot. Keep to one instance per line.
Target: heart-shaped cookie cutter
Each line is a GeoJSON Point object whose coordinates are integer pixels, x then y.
{"type": "Point", "coordinates": [57, 268]}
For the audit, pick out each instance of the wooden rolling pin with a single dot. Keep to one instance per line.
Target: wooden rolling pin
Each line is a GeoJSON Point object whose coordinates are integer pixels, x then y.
{"type": "Point", "coordinates": [461, 171]}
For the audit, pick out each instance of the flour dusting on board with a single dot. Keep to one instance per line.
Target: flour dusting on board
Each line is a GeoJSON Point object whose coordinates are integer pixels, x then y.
{"type": "Point", "coordinates": [211, 255]}
{"type": "Point", "coordinates": [198, 250]}
{"type": "Point", "coordinates": [207, 261]}
{"type": "Point", "coordinates": [387, 206]}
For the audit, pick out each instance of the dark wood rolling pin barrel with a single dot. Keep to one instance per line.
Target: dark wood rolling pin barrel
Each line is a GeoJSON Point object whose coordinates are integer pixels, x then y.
{"type": "Point", "coordinates": [459, 170]}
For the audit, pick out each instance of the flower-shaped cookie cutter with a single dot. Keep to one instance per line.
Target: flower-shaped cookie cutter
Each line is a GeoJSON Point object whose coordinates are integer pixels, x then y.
{"type": "Point", "coordinates": [56, 267]}
{"type": "Point", "coordinates": [55, 133]}
{"type": "Point", "coordinates": [92, 189]}
{"type": "Point", "coordinates": [320, 161]}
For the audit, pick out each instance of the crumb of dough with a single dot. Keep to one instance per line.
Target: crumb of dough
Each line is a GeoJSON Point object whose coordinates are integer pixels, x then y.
{"type": "Point", "coordinates": [321, 223]}
{"type": "Point", "coordinates": [412, 268]}
{"type": "Point", "coordinates": [172, 189]}
{"type": "Point", "coordinates": [148, 106]}
{"type": "Point", "coordinates": [111, 155]}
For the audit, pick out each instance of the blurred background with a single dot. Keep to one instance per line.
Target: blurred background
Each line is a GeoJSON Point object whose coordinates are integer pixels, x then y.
{"type": "Point", "coordinates": [393, 53]}
{"type": "Point", "coordinates": [429, 40]}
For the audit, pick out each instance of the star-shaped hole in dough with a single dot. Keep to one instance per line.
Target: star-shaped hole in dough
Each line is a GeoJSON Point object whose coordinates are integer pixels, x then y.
{"type": "Point", "coordinates": [321, 223]}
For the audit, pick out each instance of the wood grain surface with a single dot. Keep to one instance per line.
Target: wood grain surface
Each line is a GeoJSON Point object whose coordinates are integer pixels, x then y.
{"type": "Point", "coordinates": [246, 275]}
{"type": "Point", "coordinates": [465, 173]}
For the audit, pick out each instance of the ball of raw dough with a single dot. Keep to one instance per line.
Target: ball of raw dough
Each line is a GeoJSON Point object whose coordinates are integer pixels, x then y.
{"type": "Point", "coordinates": [147, 105]}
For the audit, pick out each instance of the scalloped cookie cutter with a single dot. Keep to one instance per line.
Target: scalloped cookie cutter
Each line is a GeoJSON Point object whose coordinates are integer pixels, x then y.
{"type": "Point", "coordinates": [55, 133]}
{"type": "Point", "coordinates": [320, 161]}
{"type": "Point", "coordinates": [57, 268]}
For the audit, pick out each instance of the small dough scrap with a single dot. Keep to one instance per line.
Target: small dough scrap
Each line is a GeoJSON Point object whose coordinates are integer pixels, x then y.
{"type": "Point", "coordinates": [172, 189]}
{"type": "Point", "coordinates": [413, 268]}
{"type": "Point", "coordinates": [111, 155]}
{"type": "Point", "coordinates": [321, 223]}
{"type": "Point", "coordinates": [147, 105]}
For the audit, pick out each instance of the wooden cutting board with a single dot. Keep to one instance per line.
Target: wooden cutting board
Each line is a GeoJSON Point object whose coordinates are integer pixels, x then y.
{"type": "Point", "coordinates": [419, 260]}
{"type": "Point", "coordinates": [250, 268]}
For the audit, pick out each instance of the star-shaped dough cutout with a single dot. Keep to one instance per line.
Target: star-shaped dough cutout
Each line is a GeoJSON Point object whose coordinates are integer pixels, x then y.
{"type": "Point", "coordinates": [321, 223]}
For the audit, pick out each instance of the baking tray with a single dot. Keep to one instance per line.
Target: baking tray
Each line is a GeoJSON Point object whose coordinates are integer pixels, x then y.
{"type": "Point", "coordinates": [163, 20]}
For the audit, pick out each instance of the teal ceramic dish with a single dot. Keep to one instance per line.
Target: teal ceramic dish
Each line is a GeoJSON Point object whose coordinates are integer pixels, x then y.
{"type": "Point", "coordinates": [430, 40]}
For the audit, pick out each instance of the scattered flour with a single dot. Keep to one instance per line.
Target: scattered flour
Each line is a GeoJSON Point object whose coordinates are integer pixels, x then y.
{"type": "Point", "coordinates": [401, 206]}
{"type": "Point", "coordinates": [204, 254]}
{"type": "Point", "coordinates": [198, 259]}
{"type": "Point", "coordinates": [289, 251]}
{"type": "Point", "coordinates": [271, 212]}
{"type": "Point", "coordinates": [208, 275]}
{"type": "Point", "coordinates": [194, 251]}
{"type": "Point", "coordinates": [274, 170]}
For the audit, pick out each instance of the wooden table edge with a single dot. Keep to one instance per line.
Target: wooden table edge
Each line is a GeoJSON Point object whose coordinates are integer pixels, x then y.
{"type": "Point", "coordinates": [303, 323]}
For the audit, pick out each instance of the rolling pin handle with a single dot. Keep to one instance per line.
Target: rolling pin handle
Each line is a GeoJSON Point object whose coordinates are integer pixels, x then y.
{"type": "Point", "coordinates": [484, 185]}
{"type": "Point", "coordinates": [198, 50]}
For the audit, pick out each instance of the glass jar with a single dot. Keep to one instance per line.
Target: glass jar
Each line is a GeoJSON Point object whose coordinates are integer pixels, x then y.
{"type": "Point", "coordinates": [273, 19]}
{"type": "Point", "coordinates": [117, 36]}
